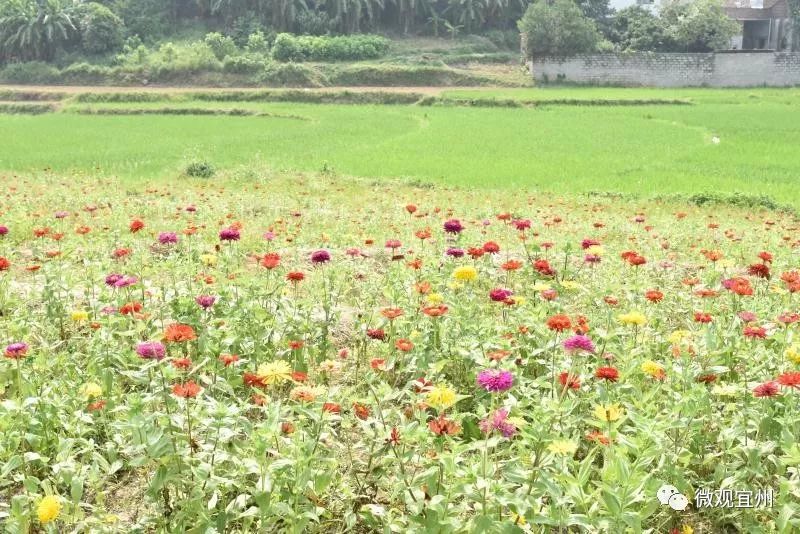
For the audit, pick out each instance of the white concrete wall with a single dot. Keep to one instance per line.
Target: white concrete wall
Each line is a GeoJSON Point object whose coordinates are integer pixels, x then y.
{"type": "Point", "coordinates": [742, 69]}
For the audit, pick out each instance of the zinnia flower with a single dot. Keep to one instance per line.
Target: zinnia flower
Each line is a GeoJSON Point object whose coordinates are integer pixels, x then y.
{"type": "Point", "coordinates": [569, 381]}
{"type": "Point", "coordinates": [562, 447]}
{"type": "Point", "coordinates": [790, 379]}
{"type": "Point", "coordinates": [167, 238]}
{"type": "Point", "coordinates": [498, 421]}
{"type": "Point", "coordinates": [578, 343]}
{"type": "Point", "coordinates": [275, 372]}
{"type": "Point", "coordinates": [441, 397]}
{"type": "Point", "coordinates": [91, 390]}
{"type": "Point", "coordinates": [607, 412]}
{"type": "Point", "coordinates": [632, 318]}
{"type": "Point", "coordinates": [767, 389]}
{"type": "Point", "coordinates": [499, 294]}
{"type": "Point", "coordinates": [465, 273]}
{"type": "Point", "coordinates": [320, 256]}
{"type": "Point", "coordinates": [205, 301]}
{"type": "Point", "coordinates": [453, 226]}
{"type": "Point", "coordinates": [179, 333]}
{"type": "Point", "coordinates": [151, 350]}
{"type": "Point", "coordinates": [229, 234]}
{"type": "Point", "coordinates": [48, 509]}
{"type": "Point", "coordinates": [495, 380]}
{"type": "Point", "coordinates": [189, 390]}
{"type": "Point", "coordinates": [15, 351]}
{"type": "Point", "coordinates": [653, 369]}
{"type": "Point", "coordinates": [607, 373]}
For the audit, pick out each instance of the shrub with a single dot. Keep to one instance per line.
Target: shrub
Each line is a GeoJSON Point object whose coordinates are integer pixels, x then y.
{"type": "Point", "coordinates": [245, 64]}
{"type": "Point", "coordinates": [86, 74]}
{"type": "Point", "coordinates": [32, 72]}
{"type": "Point", "coordinates": [557, 29]}
{"type": "Point", "coordinates": [312, 23]}
{"type": "Point", "coordinates": [257, 43]}
{"type": "Point", "coordinates": [101, 30]}
{"type": "Point", "coordinates": [290, 47]}
{"type": "Point", "coordinates": [291, 75]}
{"type": "Point", "coordinates": [221, 45]}
{"type": "Point", "coordinates": [700, 26]}
{"type": "Point", "coordinates": [389, 75]}
{"type": "Point", "coordinates": [200, 169]}
{"type": "Point", "coordinates": [637, 28]}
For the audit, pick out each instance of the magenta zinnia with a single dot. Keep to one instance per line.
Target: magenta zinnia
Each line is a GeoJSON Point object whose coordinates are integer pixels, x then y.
{"type": "Point", "coordinates": [151, 350]}
{"type": "Point", "coordinates": [495, 380]}
{"type": "Point", "coordinates": [578, 343]}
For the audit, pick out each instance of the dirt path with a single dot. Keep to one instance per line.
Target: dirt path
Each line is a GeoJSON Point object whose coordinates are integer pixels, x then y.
{"type": "Point", "coordinates": [71, 89]}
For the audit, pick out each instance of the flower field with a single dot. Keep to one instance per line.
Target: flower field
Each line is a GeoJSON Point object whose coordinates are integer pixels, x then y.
{"type": "Point", "coordinates": [296, 353]}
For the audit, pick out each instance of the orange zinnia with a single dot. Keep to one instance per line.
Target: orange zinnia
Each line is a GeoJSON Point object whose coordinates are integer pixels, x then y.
{"type": "Point", "coordinates": [177, 333]}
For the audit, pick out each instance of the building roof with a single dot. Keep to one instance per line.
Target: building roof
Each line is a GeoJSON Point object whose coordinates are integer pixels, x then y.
{"type": "Point", "coordinates": [746, 10]}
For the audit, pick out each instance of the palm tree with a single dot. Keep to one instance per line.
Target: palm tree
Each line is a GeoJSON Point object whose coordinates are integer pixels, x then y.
{"type": "Point", "coordinates": [33, 29]}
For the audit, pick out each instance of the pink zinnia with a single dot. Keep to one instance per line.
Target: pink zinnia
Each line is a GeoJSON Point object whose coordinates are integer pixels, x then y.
{"type": "Point", "coordinates": [577, 343]}
{"type": "Point", "coordinates": [15, 351]}
{"type": "Point", "coordinates": [498, 421]}
{"type": "Point", "coordinates": [151, 350]}
{"type": "Point", "coordinates": [767, 389]}
{"type": "Point", "coordinates": [495, 380]}
{"type": "Point", "coordinates": [3, 229]}
{"type": "Point", "coordinates": [453, 226]}
{"type": "Point", "coordinates": [320, 256]}
{"type": "Point", "coordinates": [229, 234]}
{"type": "Point", "coordinates": [499, 294]}
{"type": "Point", "coordinates": [166, 238]}
{"type": "Point", "coordinates": [205, 301]}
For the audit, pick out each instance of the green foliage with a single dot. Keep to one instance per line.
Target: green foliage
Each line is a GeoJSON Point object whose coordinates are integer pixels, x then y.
{"type": "Point", "coordinates": [86, 74]}
{"type": "Point", "coordinates": [221, 45]}
{"type": "Point", "coordinates": [699, 26]}
{"type": "Point", "coordinates": [34, 29]}
{"type": "Point", "coordinates": [638, 29]}
{"type": "Point", "coordinates": [200, 169]}
{"type": "Point", "coordinates": [291, 75]}
{"type": "Point", "coordinates": [288, 47]}
{"type": "Point", "coordinates": [147, 19]}
{"type": "Point", "coordinates": [257, 43]}
{"type": "Point", "coordinates": [100, 29]}
{"type": "Point", "coordinates": [31, 72]}
{"type": "Point", "coordinates": [557, 29]}
{"type": "Point", "coordinates": [245, 64]}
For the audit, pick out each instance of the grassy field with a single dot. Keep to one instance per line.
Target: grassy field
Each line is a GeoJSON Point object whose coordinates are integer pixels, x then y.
{"type": "Point", "coordinates": [645, 150]}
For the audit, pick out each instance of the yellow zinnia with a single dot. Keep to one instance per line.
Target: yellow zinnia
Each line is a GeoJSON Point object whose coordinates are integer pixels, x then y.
{"type": "Point", "coordinates": [793, 353]}
{"type": "Point", "coordinates": [677, 336]}
{"type": "Point", "coordinates": [91, 390]}
{"type": "Point", "coordinates": [563, 447]}
{"type": "Point", "coordinates": [435, 298]}
{"type": "Point", "coordinates": [275, 372]}
{"type": "Point", "coordinates": [441, 397]}
{"type": "Point", "coordinates": [48, 509]}
{"type": "Point", "coordinates": [79, 315]}
{"type": "Point", "coordinates": [209, 260]}
{"type": "Point", "coordinates": [595, 250]}
{"type": "Point", "coordinates": [465, 273]}
{"type": "Point", "coordinates": [607, 412]}
{"type": "Point", "coordinates": [653, 369]}
{"type": "Point", "coordinates": [632, 318]}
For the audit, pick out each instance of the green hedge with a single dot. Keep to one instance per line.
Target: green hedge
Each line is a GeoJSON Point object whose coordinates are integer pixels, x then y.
{"type": "Point", "coordinates": [288, 47]}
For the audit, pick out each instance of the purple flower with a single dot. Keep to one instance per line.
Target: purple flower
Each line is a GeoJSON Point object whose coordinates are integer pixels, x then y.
{"type": "Point", "coordinates": [522, 224]}
{"type": "Point", "coordinates": [108, 310]}
{"type": "Point", "coordinates": [320, 256]}
{"type": "Point", "coordinates": [205, 301]}
{"type": "Point", "coordinates": [455, 252]}
{"type": "Point", "coordinates": [112, 279]}
{"type": "Point", "coordinates": [499, 294]}
{"type": "Point", "coordinates": [592, 258]}
{"type": "Point", "coordinates": [126, 281]}
{"type": "Point", "coordinates": [453, 226]}
{"type": "Point", "coordinates": [166, 238]}
{"type": "Point", "coordinates": [151, 350]}
{"type": "Point", "coordinates": [586, 243]}
{"type": "Point", "coordinates": [495, 380]}
{"type": "Point", "coordinates": [747, 317]}
{"type": "Point", "coordinates": [3, 230]}
{"type": "Point", "coordinates": [498, 421]}
{"type": "Point", "coordinates": [229, 234]}
{"type": "Point", "coordinates": [578, 343]}
{"type": "Point", "coordinates": [62, 214]}
{"type": "Point", "coordinates": [16, 350]}
{"type": "Point", "coordinates": [353, 252]}
{"type": "Point", "coordinates": [269, 236]}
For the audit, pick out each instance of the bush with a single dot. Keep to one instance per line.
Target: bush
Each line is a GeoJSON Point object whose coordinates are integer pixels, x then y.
{"type": "Point", "coordinates": [700, 26]}
{"type": "Point", "coordinates": [637, 28]}
{"type": "Point", "coordinates": [221, 45]}
{"type": "Point", "coordinates": [200, 169]}
{"type": "Point", "coordinates": [245, 64]}
{"type": "Point", "coordinates": [390, 75]}
{"type": "Point", "coordinates": [290, 47]}
{"type": "Point", "coordinates": [86, 74]}
{"type": "Point", "coordinates": [291, 75]}
{"type": "Point", "coordinates": [557, 29]}
{"type": "Point", "coordinates": [32, 72]}
{"type": "Point", "coordinates": [257, 43]}
{"type": "Point", "coordinates": [100, 29]}
{"type": "Point", "coordinates": [312, 23]}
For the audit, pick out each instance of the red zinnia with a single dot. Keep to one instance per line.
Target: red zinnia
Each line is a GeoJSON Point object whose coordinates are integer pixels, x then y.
{"type": "Point", "coordinates": [790, 379]}
{"type": "Point", "coordinates": [271, 260]}
{"type": "Point", "coordinates": [569, 381]}
{"type": "Point", "coordinates": [767, 389]}
{"type": "Point", "coordinates": [189, 390]}
{"type": "Point", "coordinates": [295, 276]}
{"type": "Point", "coordinates": [136, 225]}
{"type": "Point", "coordinates": [607, 373]}
{"type": "Point", "coordinates": [559, 323]}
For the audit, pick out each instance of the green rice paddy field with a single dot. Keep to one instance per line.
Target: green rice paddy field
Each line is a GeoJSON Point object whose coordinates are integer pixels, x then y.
{"type": "Point", "coordinates": [560, 140]}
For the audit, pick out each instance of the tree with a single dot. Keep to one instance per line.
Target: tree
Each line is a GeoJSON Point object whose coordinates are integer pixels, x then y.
{"type": "Point", "coordinates": [637, 28]}
{"type": "Point", "coordinates": [699, 26]}
{"type": "Point", "coordinates": [100, 29]}
{"type": "Point", "coordinates": [557, 29]}
{"type": "Point", "coordinates": [33, 29]}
